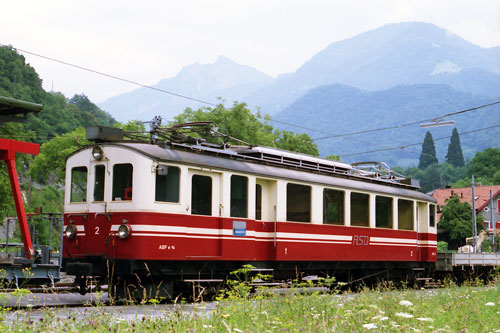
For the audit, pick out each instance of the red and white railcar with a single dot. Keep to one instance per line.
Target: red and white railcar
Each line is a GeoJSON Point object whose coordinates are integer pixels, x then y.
{"type": "Point", "coordinates": [177, 211]}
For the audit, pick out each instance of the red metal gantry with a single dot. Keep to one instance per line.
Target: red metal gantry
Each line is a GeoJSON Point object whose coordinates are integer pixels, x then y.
{"type": "Point", "coordinates": [10, 109]}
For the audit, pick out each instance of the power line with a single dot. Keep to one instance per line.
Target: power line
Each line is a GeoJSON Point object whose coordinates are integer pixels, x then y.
{"type": "Point", "coordinates": [419, 143]}
{"type": "Point", "coordinates": [329, 135]}
{"type": "Point", "coordinates": [407, 124]}
{"type": "Point", "coordinates": [113, 76]}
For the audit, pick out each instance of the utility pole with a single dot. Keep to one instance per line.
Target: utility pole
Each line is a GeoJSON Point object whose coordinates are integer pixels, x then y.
{"type": "Point", "coordinates": [492, 221]}
{"type": "Point", "coordinates": [474, 226]}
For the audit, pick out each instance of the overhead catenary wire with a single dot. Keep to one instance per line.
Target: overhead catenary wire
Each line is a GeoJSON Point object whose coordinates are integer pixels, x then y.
{"type": "Point", "coordinates": [328, 135]}
{"type": "Point", "coordinates": [419, 143]}
{"type": "Point", "coordinates": [112, 76]}
{"type": "Point", "coordinates": [157, 89]}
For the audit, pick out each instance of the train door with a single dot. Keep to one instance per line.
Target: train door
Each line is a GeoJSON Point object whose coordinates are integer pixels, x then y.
{"type": "Point", "coordinates": [98, 226]}
{"type": "Point", "coordinates": [422, 228]}
{"type": "Point", "coordinates": [204, 227]}
{"type": "Point", "coordinates": [266, 212]}
{"type": "Point", "coordinates": [97, 177]}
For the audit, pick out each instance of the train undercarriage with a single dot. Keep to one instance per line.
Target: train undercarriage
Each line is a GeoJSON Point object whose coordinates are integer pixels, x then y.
{"type": "Point", "coordinates": [139, 279]}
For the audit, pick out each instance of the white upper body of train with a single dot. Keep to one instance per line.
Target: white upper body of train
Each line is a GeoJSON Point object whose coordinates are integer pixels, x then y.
{"type": "Point", "coordinates": [256, 183]}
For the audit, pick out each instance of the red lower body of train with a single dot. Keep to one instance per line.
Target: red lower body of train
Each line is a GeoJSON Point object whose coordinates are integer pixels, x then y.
{"type": "Point", "coordinates": [172, 247]}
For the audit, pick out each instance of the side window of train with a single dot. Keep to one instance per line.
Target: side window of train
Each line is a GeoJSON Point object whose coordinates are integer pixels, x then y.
{"type": "Point", "coordinates": [99, 183]}
{"type": "Point", "coordinates": [360, 209]}
{"type": "Point", "coordinates": [383, 212]}
{"type": "Point", "coordinates": [432, 215]}
{"type": "Point", "coordinates": [298, 203]}
{"type": "Point", "coordinates": [122, 181]}
{"type": "Point", "coordinates": [333, 207]}
{"type": "Point", "coordinates": [167, 183]}
{"type": "Point", "coordinates": [78, 184]}
{"type": "Point", "coordinates": [405, 214]}
{"type": "Point", "coordinates": [239, 196]}
{"type": "Point", "coordinates": [258, 202]}
{"type": "Point", "coordinates": [201, 195]}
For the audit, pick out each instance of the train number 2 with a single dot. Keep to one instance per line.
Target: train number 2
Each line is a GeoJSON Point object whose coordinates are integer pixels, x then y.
{"type": "Point", "coordinates": [97, 230]}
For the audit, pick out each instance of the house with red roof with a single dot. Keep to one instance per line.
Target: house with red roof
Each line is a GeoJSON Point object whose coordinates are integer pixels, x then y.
{"type": "Point", "coordinates": [482, 197]}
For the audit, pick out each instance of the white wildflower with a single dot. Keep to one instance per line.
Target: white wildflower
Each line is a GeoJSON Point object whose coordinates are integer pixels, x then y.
{"type": "Point", "coordinates": [384, 318]}
{"type": "Point", "coordinates": [370, 326]}
{"type": "Point", "coordinates": [406, 303]}
{"type": "Point", "coordinates": [425, 319]}
{"type": "Point", "coordinates": [315, 315]}
{"type": "Point", "coordinates": [490, 304]}
{"type": "Point", "coordinates": [404, 315]}
{"type": "Point", "coordinates": [237, 330]}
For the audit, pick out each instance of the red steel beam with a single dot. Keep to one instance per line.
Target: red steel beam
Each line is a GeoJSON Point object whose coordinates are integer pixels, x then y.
{"type": "Point", "coordinates": [8, 150]}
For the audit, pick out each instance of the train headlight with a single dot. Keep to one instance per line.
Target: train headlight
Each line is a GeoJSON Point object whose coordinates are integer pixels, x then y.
{"type": "Point", "coordinates": [97, 153]}
{"type": "Point", "coordinates": [124, 231]}
{"type": "Point", "coordinates": [70, 231]}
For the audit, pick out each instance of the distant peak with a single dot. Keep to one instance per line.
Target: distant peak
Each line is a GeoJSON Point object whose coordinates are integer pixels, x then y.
{"type": "Point", "coordinates": [223, 60]}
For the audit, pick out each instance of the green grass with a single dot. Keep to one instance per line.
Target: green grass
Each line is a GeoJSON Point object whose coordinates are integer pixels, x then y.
{"type": "Point", "coordinates": [476, 309]}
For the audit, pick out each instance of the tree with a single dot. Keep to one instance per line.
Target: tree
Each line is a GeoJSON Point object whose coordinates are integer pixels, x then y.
{"type": "Point", "coordinates": [333, 157]}
{"type": "Point", "coordinates": [485, 163]}
{"type": "Point", "coordinates": [302, 143]}
{"type": "Point", "coordinates": [428, 155]}
{"type": "Point", "coordinates": [239, 122]}
{"type": "Point", "coordinates": [456, 220]}
{"type": "Point", "coordinates": [455, 156]}
{"type": "Point", "coordinates": [100, 117]}
{"type": "Point", "coordinates": [49, 165]}
{"type": "Point", "coordinates": [430, 178]}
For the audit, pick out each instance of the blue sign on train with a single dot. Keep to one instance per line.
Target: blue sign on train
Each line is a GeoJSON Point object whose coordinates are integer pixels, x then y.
{"type": "Point", "coordinates": [239, 228]}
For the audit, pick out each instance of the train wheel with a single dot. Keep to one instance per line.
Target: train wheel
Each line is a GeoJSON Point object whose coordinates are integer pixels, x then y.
{"type": "Point", "coordinates": [135, 289]}
{"type": "Point", "coordinates": [82, 285]}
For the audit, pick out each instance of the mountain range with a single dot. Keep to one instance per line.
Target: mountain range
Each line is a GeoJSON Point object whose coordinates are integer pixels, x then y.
{"type": "Point", "coordinates": [334, 110]}
{"type": "Point", "coordinates": [225, 79]}
{"type": "Point", "coordinates": [392, 74]}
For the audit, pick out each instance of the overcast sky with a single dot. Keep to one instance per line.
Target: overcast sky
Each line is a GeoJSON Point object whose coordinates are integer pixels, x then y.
{"type": "Point", "coordinates": [146, 41]}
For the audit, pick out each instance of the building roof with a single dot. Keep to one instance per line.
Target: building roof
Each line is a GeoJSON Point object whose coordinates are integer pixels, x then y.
{"type": "Point", "coordinates": [482, 194]}
{"type": "Point", "coordinates": [16, 110]}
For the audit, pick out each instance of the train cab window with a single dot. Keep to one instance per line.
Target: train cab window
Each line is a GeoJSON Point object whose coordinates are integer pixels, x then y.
{"type": "Point", "coordinates": [383, 212]}
{"type": "Point", "coordinates": [360, 209]}
{"type": "Point", "coordinates": [333, 207]}
{"type": "Point", "coordinates": [432, 215]}
{"type": "Point", "coordinates": [298, 203]}
{"type": "Point", "coordinates": [201, 195]}
{"type": "Point", "coordinates": [99, 183]}
{"type": "Point", "coordinates": [78, 184]}
{"type": "Point", "coordinates": [122, 181]}
{"type": "Point", "coordinates": [405, 214]}
{"type": "Point", "coordinates": [239, 196]}
{"type": "Point", "coordinates": [167, 183]}
{"type": "Point", "coordinates": [258, 202]}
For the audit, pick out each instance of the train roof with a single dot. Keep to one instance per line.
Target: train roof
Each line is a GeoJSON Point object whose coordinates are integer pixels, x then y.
{"type": "Point", "coordinates": [270, 162]}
